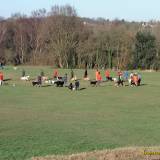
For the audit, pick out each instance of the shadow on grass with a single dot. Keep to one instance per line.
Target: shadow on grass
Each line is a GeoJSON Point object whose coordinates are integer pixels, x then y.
{"type": "Point", "coordinates": [49, 85]}
{"type": "Point", "coordinates": [8, 79]}
{"type": "Point", "coordinates": [82, 89]}
{"type": "Point", "coordinates": [127, 85]}
{"type": "Point", "coordinates": [144, 84]}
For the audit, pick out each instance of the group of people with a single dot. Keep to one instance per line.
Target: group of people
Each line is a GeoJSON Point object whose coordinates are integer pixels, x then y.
{"type": "Point", "coordinates": [134, 79]}
{"type": "Point", "coordinates": [58, 80]}
{"type": "Point", "coordinates": [71, 86]}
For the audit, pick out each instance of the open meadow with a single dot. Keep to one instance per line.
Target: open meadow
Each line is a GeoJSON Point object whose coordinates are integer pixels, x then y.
{"type": "Point", "coordinates": [40, 121]}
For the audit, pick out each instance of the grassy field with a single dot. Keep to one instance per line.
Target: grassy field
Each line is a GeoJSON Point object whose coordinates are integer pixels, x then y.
{"type": "Point", "coordinates": [48, 120]}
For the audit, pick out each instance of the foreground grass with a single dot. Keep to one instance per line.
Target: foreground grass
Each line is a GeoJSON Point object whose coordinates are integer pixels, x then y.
{"type": "Point", "coordinates": [49, 120]}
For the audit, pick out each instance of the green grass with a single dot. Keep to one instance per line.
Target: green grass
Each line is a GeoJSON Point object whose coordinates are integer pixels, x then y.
{"type": "Point", "coordinates": [49, 120]}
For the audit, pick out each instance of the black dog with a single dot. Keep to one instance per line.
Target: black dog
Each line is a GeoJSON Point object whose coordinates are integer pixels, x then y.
{"type": "Point", "coordinates": [59, 83]}
{"type": "Point", "coordinates": [109, 79]}
{"type": "Point", "coordinates": [36, 83]}
{"type": "Point", "coordinates": [93, 83]}
{"type": "Point", "coordinates": [120, 82]}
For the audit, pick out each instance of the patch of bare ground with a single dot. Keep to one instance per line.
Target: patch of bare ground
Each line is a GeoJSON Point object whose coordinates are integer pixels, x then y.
{"type": "Point", "coordinates": [131, 153]}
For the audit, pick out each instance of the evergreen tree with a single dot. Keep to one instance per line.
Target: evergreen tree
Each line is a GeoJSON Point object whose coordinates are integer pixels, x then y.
{"type": "Point", "coordinates": [145, 51]}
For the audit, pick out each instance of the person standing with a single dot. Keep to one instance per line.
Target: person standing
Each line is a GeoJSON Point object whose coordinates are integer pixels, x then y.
{"type": "Point", "coordinates": [39, 79]}
{"type": "Point", "coordinates": [65, 79]}
{"type": "Point", "coordinates": [1, 65]}
{"type": "Point", "coordinates": [1, 78]}
{"type": "Point", "coordinates": [131, 79]}
{"type": "Point", "coordinates": [107, 74]}
{"type": "Point", "coordinates": [120, 79]}
{"type": "Point", "coordinates": [99, 78]}
{"type": "Point", "coordinates": [139, 79]}
{"type": "Point", "coordinates": [85, 74]}
{"type": "Point", "coordinates": [42, 73]}
{"type": "Point", "coordinates": [126, 75]}
{"type": "Point", "coordinates": [97, 73]}
{"type": "Point", "coordinates": [23, 73]}
{"type": "Point", "coordinates": [77, 84]}
{"type": "Point", "coordinates": [72, 74]}
{"type": "Point", "coordinates": [55, 74]}
{"type": "Point", "coordinates": [135, 79]}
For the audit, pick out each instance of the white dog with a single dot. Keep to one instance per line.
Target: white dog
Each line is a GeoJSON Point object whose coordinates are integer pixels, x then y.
{"type": "Point", "coordinates": [129, 81]}
{"type": "Point", "coordinates": [115, 80]}
{"type": "Point", "coordinates": [49, 81]}
{"type": "Point", "coordinates": [25, 78]}
{"type": "Point", "coordinates": [74, 78]}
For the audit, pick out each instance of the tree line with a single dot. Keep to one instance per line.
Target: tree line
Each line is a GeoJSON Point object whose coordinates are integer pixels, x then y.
{"type": "Point", "coordinates": [63, 39]}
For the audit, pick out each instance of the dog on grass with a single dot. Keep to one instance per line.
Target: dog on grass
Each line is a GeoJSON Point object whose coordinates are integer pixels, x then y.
{"type": "Point", "coordinates": [49, 81]}
{"type": "Point", "coordinates": [25, 78]}
{"type": "Point", "coordinates": [59, 83]}
{"type": "Point", "coordinates": [93, 83]}
{"type": "Point", "coordinates": [117, 82]}
{"type": "Point", "coordinates": [36, 83]}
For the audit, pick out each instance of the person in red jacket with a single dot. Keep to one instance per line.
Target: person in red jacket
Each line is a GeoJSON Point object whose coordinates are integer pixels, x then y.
{"type": "Point", "coordinates": [135, 79]}
{"type": "Point", "coordinates": [99, 78]}
{"type": "Point", "coordinates": [1, 78]}
{"type": "Point", "coordinates": [97, 72]}
{"type": "Point", "coordinates": [55, 74]}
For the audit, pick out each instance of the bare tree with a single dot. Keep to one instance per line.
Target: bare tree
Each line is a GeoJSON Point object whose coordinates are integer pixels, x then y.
{"type": "Point", "coordinates": [40, 13]}
{"type": "Point", "coordinates": [64, 35]}
{"type": "Point", "coordinates": [65, 10]}
{"type": "Point", "coordinates": [3, 31]}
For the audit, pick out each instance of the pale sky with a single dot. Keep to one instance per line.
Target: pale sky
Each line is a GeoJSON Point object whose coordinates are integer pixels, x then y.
{"type": "Point", "coordinates": [137, 10]}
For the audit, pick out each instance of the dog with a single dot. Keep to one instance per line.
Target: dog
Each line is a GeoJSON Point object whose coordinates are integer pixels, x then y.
{"type": "Point", "coordinates": [25, 78]}
{"type": "Point", "coordinates": [49, 81]}
{"type": "Point", "coordinates": [74, 78]}
{"type": "Point", "coordinates": [59, 83]}
{"type": "Point", "coordinates": [36, 83]}
{"type": "Point", "coordinates": [86, 79]}
{"type": "Point", "coordinates": [118, 82]}
{"type": "Point", "coordinates": [114, 80]}
{"type": "Point", "coordinates": [44, 78]}
{"type": "Point", "coordinates": [93, 83]}
{"type": "Point", "coordinates": [109, 79]}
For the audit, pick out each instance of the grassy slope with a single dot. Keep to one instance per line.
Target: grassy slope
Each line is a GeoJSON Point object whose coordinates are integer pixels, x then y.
{"type": "Point", "coordinates": [50, 120]}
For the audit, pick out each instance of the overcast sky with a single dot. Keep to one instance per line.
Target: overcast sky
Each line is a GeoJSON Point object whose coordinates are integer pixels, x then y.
{"type": "Point", "coordinates": [137, 10]}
